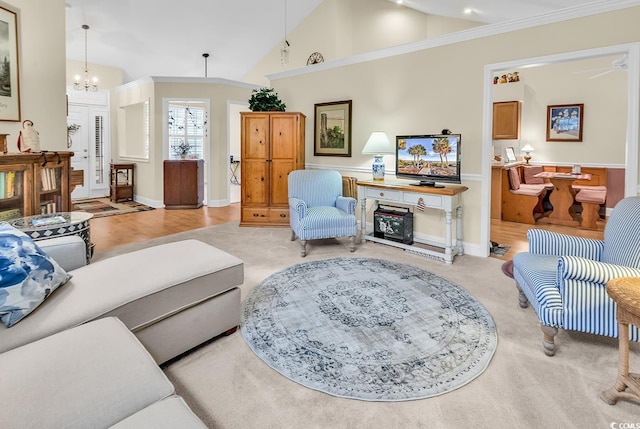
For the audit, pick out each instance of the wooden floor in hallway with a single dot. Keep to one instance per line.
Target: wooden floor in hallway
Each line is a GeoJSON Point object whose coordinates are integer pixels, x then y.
{"type": "Point", "coordinates": [112, 231]}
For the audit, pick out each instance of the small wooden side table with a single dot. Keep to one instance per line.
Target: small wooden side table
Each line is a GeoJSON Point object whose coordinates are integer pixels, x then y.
{"type": "Point", "coordinates": [122, 182]}
{"type": "Point", "coordinates": [625, 291]}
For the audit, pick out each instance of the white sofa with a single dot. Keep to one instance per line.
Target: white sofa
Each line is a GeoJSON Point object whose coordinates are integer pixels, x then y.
{"type": "Point", "coordinates": [173, 297]}
{"type": "Point", "coordinates": [88, 355]}
{"type": "Point", "coordinates": [95, 375]}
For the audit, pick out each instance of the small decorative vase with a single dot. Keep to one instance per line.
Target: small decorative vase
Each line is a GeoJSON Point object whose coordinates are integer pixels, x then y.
{"type": "Point", "coordinates": [378, 168]}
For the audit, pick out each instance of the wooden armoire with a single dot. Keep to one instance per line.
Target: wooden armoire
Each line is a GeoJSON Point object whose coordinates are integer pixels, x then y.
{"type": "Point", "coordinates": [272, 145]}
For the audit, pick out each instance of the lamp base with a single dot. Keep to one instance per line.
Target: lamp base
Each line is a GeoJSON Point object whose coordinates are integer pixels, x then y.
{"type": "Point", "coordinates": [527, 157]}
{"type": "Point", "coordinates": [378, 168]}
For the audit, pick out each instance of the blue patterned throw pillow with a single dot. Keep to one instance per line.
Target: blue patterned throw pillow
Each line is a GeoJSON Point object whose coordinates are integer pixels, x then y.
{"type": "Point", "coordinates": [27, 275]}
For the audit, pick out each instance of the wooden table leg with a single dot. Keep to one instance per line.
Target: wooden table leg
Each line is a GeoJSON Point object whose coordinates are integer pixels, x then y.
{"type": "Point", "coordinates": [562, 199]}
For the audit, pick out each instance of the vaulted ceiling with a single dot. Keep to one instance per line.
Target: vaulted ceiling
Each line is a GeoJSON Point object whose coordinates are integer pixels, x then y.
{"type": "Point", "coordinates": [168, 38]}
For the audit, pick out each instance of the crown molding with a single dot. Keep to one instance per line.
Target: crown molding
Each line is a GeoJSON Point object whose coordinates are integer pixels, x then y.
{"type": "Point", "coordinates": [181, 79]}
{"type": "Point", "coordinates": [488, 30]}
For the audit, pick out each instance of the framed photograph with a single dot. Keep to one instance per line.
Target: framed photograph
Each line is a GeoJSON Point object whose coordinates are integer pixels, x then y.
{"type": "Point", "coordinates": [332, 129]}
{"type": "Point", "coordinates": [564, 123]}
{"type": "Point", "coordinates": [511, 155]}
{"type": "Point", "coordinates": [9, 82]}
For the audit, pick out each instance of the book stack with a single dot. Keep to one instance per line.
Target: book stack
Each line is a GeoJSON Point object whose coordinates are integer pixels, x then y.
{"type": "Point", "coordinates": [9, 186]}
{"type": "Point", "coordinates": [48, 176]}
{"type": "Point", "coordinates": [51, 205]}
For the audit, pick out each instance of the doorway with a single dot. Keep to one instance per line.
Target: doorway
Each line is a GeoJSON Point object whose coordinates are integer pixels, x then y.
{"type": "Point", "coordinates": [88, 138]}
{"type": "Point", "coordinates": [632, 52]}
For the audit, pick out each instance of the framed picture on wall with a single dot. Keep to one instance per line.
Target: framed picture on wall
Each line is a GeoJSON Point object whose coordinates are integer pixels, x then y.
{"type": "Point", "coordinates": [9, 71]}
{"type": "Point", "coordinates": [332, 129]}
{"type": "Point", "coordinates": [564, 122]}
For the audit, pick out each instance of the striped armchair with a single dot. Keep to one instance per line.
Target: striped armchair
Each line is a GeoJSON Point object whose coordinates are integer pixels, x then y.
{"type": "Point", "coordinates": [317, 208]}
{"type": "Point", "coordinates": [564, 277]}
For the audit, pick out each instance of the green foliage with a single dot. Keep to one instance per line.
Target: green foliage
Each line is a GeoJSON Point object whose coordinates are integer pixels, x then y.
{"type": "Point", "coordinates": [265, 100]}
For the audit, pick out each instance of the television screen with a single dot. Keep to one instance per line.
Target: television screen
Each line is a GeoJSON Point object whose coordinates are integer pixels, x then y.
{"type": "Point", "coordinates": [429, 158]}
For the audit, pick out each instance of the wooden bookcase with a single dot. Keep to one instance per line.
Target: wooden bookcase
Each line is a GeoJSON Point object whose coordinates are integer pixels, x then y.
{"type": "Point", "coordinates": [122, 182]}
{"type": "Point", "coordinates": [32, 184]}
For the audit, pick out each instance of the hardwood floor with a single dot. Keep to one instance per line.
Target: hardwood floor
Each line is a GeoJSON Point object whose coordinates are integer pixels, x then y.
{"type": "Point", "coordinates": [112, 231]}
{"type": "Point", "coordinates": [515, 235]}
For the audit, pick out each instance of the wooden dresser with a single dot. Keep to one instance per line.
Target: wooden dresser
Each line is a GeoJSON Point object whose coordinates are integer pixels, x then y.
{"type": "Point", "coordinates": [183, 184]}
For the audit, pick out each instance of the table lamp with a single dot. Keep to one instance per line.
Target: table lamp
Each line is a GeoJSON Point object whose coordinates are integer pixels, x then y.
{"type": "Point", "coordinates": [379, 145]}
{"type": "Point", "coordinates": [526, 149]}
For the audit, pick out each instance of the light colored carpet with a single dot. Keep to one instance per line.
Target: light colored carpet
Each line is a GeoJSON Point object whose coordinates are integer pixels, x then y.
{"type": "Point", "coordinates": [228, 386]}
{"type": "Point", "coordinates": [368, 328]}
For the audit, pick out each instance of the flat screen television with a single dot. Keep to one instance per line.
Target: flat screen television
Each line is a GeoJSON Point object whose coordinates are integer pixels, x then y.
{"type": "Point", "coordinates": [430, 159]}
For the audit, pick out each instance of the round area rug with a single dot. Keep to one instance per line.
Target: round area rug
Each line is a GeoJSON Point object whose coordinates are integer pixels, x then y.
{"type": "Point", "coordinates": [368, 329]}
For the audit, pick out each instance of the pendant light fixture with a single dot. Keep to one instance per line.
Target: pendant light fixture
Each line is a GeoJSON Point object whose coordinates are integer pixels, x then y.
{"type": "Point", "coordinates": [86, 85]}
{"type": "Point", "coordinates": [284, 52]}
{"type": "Point", "coordinates": [206, 61]}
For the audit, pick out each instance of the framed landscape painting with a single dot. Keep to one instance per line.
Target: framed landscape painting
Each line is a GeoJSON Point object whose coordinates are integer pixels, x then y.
{"type": "Point", "coordinates": [9, 82]}
{"type": "Point", "coordinates": [564, 122]}
{"type": "Point", "coordinates": [332, 129]}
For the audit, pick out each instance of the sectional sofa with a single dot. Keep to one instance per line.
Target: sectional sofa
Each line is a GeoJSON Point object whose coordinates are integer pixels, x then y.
{"type": "Point", "coordinates": [88, 355]}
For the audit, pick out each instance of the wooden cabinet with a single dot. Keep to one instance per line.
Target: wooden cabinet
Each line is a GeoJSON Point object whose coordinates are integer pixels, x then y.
{"type": "Point", "coordinates": [122, 182]}
{"type": "Point", "coordinates": [183, 184]}
{"type": "Point", "coordinates": [272, 145]}
{"type": "Point", "coordinates": [32, 184]}
{"type": "Point", "coordinates": [506, 120]}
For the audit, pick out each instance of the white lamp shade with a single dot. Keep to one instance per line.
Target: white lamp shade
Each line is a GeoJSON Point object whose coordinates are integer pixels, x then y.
{"type": "Point", "coordinates": [378, 144]}
{"type": "Point", "coordinates": [527, 148]}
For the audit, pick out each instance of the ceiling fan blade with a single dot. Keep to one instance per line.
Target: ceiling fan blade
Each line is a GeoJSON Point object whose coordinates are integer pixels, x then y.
{"type": "Point", "coordinates": [591, 70]}
{"type": "Point", "coordinates": [601, 74]}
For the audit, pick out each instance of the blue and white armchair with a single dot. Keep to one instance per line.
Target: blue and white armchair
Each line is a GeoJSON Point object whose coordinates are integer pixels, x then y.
{"type": "Point", "coordinates": [564, 277]}
{"type": "Point", "coordinates": [317, 208]}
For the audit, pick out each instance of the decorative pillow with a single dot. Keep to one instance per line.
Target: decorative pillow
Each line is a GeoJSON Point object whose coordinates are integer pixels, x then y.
{"type": "Point", "coordinates": [529, 172]}
{"type": "Point", "coordinates": [514, 178]}
{"type": "Point", "coordinates": [27, 275]}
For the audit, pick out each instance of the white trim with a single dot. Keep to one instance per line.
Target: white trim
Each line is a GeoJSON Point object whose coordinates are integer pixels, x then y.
{"type": "Point", "coordinates": [179, 79]}
{"type": "Point", "coordinates": [632, 50]}
{"type": "Point", "coordinates": [581, 11]}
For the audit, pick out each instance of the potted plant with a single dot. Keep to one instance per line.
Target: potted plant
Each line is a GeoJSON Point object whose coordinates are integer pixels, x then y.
{"type": "Point", "coordinates": [265, 100]}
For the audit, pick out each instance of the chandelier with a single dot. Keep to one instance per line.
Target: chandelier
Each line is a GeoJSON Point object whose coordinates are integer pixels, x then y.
{"type": "Point", "coordinates": [86, 85]}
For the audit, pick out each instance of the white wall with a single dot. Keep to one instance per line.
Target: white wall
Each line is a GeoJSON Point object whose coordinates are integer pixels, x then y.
{"type": "Point", "coordinates": [41, 41]}
{"type": "Point", "coordinates": [605, 110]}
{"type": "Point", "coordinates": [149, 176]}
{"type": "Point", "coordinates": [441, 86]}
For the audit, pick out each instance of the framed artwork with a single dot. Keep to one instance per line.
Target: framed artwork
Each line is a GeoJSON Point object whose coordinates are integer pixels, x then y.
{"type": "Point", "coordinates": [332, 129]}
{"type": "Point", "coordinates": [511, 155]}
{"type": "Point", "coordinates": [564, 122]}
{"type": "Point", "coordinates": [9, 71]}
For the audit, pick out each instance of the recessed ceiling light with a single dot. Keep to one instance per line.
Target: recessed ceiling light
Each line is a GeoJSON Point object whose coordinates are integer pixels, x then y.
{"type": "Point", "coordinates": [468, 11]}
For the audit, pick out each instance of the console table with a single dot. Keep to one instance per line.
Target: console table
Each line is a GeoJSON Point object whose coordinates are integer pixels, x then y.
{"type": "Point", "coordinates": [447, 199]}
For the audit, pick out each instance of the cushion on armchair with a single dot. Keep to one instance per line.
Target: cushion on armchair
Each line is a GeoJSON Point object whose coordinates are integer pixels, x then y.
{"type": "Point", "coordinates": [27, 275]}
